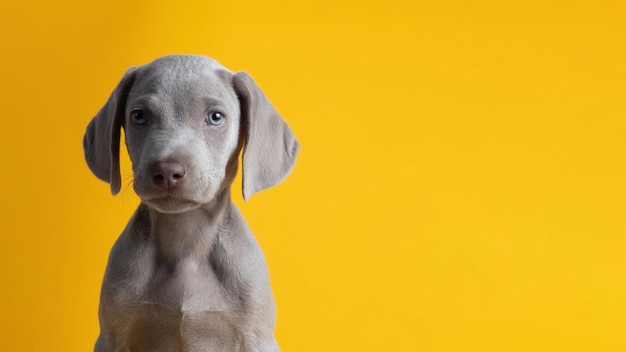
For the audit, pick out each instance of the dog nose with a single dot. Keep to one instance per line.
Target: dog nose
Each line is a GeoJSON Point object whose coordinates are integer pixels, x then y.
{"type": "Point", "coordinates": [167, 174]}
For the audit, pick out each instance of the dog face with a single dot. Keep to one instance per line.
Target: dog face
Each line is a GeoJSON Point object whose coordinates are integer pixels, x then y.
{"type": "Point", "coordinates": [185, 120]}
{"type": "Point", "coordinates": [182, 124]}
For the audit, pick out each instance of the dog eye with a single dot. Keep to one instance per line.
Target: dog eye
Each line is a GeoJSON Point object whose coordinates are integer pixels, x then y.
{"type": "Point", "coordinates": [215, 118]}
{"type": "Point", "coordinates": [139, 117]}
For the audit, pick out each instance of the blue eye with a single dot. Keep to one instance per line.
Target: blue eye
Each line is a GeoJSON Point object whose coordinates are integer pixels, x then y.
{"type": "Point", "coordinates": [139, 117]}
{"type": "Point", "coordinates": [215, 118]}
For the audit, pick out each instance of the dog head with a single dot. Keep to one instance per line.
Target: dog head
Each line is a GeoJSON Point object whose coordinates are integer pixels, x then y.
{"type": "Point", "coordinates": [185, 119]}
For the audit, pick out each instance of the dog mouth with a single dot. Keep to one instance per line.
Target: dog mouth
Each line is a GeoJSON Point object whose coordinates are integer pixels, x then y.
{"type": "Point", "coordinates": [170, 203]}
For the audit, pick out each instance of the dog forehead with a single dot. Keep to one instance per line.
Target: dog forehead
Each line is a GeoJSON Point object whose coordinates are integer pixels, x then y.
{"type": "Point", "coordinates": [183, 65]}
{"type": "Point", "coordinates": [184, 77]}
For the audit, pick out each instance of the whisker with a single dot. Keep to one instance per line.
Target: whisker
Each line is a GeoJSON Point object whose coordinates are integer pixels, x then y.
{"type": "Point", "coordinates": [127, 185]}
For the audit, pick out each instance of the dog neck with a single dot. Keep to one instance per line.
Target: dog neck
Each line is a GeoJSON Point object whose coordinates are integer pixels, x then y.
{"type": "Point", "coordinates": [189, 235]}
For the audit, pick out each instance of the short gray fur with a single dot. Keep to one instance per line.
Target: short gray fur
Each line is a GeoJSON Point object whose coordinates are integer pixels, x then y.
{"type": "Point", "coordinates": [186, 274]}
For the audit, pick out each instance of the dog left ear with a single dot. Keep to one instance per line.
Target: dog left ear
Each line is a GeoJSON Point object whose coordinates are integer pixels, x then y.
{"type": "Point", "coordinates": [270, 148]}
{"type": "Point", "coordinates": [101, 142]}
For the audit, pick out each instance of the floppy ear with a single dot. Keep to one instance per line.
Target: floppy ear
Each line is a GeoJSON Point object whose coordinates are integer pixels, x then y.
{"type": "Point", "coordinates": [270, 148]}
{"type": "Point", "coordinates": [101, 142]}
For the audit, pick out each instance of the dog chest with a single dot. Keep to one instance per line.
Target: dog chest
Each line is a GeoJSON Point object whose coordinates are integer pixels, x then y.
{"type": "Point", "coordinates": [182, 305]}
{"type": "Point", "coordinates": [158, 329]}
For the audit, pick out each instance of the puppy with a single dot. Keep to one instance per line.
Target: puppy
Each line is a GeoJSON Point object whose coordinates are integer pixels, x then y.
{"type": "Point", "coordinates": [186, 274]}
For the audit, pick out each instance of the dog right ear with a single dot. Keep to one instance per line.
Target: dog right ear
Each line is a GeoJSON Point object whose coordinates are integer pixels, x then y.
{"type": "Point", "coordinates": [101, 142]}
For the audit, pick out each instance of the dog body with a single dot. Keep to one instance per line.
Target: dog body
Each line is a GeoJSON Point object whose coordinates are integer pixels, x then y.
{"type": "Point", "coordinates": [187, 274]}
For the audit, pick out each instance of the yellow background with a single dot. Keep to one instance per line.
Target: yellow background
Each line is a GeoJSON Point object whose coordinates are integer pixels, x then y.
{"type": "Point", "coordinates": [460, 185]}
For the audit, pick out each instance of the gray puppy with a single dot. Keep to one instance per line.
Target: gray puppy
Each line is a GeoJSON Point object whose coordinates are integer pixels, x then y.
{"type": "Point", "coordinates": [186, 274]}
